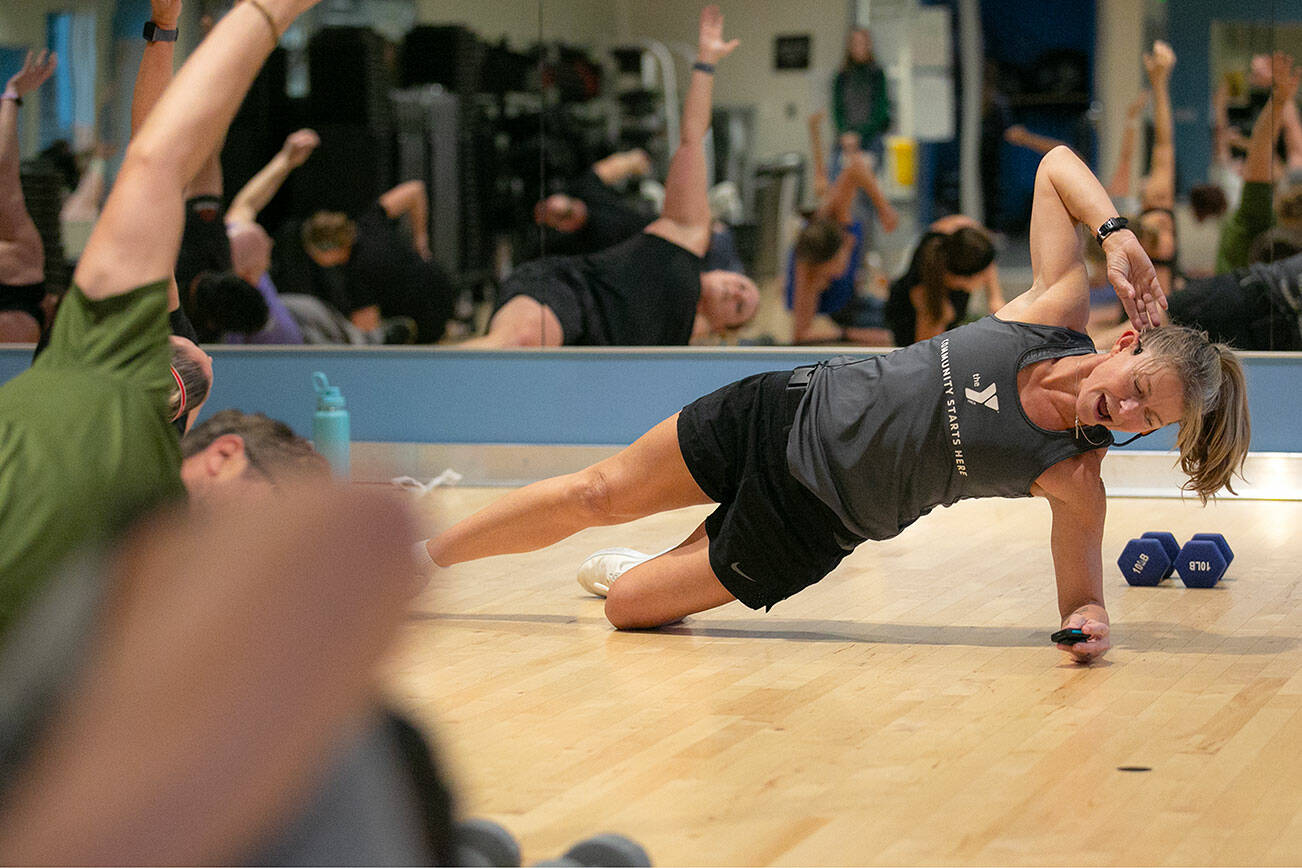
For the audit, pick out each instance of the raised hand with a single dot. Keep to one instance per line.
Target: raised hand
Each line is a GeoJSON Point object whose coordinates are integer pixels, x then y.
{"type": "Point", "coordinates": [1159, 62]}
{"type": "Point", "coordinates": [1132, 275]}
{"type": "Point", "coordinates": [711, 46]}
{"type": "Point", "coordinates": [299, 145]}
{"type": "Point", "coordinates": [36, 69]}
{"type": "Point", "coordinates": [165, 13]}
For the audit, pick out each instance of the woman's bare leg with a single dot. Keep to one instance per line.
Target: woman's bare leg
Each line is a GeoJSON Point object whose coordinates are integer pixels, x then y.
{"type": "Point", "coordinates": [667, 588]}
{"type": "Point", "coordinates": [649, 476]}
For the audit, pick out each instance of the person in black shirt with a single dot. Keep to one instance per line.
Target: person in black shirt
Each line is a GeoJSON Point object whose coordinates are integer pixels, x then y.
{"type": "Point", "coordinates": [807, 464]}
{"type": "Point", "coordinates": [952, 260]}
{"type": "Point", "coordinates": [649, 289]}
{"type": "Point", "coordinates": [591, 215]}
{"type": "Point", "coordinates": [366, 268]}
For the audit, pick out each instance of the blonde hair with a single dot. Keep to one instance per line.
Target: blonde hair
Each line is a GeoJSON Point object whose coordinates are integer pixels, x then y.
{"type": "Point", "coordinates": [329, 230]}
{"type": "Point", "coordinates": [1215, 429]}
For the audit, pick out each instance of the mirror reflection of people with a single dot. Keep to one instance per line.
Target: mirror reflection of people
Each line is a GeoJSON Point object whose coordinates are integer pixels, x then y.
{"type": "Point", "coordinates": [1264, 204]}
{"type": "Point", "coordinates": [591, 214]}
{"type": "Point", "coordinates": [649, 289]}
{"type": "Point", "coordinates": [370, 267]}
{"type": "Point", "coordinates": [1155, 204]}
{"type": "Point", "coordinates": [954, 259]}
{"type": "Point", "coordinates": [825, 269]}
{"type": "Point", "coordinates": [807, 464]}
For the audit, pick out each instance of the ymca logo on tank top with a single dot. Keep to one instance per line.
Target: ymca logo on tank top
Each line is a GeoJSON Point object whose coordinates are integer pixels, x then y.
{"type": "Point", "coordinates": [886, 439]}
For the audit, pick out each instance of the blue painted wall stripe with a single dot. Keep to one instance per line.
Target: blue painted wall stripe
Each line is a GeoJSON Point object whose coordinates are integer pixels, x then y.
{"type": "Point", "coordinates": [568, 396]}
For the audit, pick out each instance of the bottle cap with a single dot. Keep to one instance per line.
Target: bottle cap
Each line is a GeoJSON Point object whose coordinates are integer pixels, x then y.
{"type": "Point", "coordinates": [328, 397]}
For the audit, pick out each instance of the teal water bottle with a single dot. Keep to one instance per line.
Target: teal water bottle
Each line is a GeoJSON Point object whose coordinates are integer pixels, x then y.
{"type": "Point", "coordinates": [330, 432]}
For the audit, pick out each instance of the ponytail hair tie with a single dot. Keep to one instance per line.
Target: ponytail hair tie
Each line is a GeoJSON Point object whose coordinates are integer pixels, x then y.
{"type": "Point", "coordinates": [180, 384]}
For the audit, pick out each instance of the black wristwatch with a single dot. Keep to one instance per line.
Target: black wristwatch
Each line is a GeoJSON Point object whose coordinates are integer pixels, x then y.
{"type": "Point", "coordinates": [154, 33]}
{"type": "Point", "coordinates": [1109, 226]}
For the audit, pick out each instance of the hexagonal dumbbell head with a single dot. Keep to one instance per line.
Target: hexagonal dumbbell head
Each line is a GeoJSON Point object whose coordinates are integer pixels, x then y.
{"type": "Point", "coordinates": [1220, 544]}
{"type": "Point", "coordinates": [609, 849]}
{"type": "Point", "coordinates": [1200, 563]}
{"type": "Point", "coordinates": [1144, 562]}
{"type": "Point", "coordinates": [482, 842]}
{"type": "Point", "coordinates": [1169, 544]}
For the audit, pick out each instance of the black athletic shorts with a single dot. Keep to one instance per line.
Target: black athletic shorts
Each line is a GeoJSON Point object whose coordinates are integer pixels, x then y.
{"type": "Point", "coordinates": [551, 282]}
{"type": "Point", "coordinates": [26, 298]}
{"type": "Point", "coordinates": [770, 536]}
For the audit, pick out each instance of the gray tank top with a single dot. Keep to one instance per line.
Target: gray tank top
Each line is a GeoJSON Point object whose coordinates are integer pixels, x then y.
{"type": "Point", "coordinates": [883, 440]}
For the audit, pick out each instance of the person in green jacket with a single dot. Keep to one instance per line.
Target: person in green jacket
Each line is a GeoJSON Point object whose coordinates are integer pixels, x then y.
{"type": "Point", "coordinates": [860, 104]}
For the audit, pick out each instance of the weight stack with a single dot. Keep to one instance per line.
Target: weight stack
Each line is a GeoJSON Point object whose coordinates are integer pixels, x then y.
{"type": "Point", "coordinates": [426, 146]}
{"type": "Point", "coordinates": [351, 71]}
{"type": "Point", "coordinates": [447, 55]}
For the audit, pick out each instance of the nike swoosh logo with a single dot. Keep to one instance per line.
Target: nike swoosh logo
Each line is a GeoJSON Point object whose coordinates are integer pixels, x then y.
{"type": "Point", "coordinates": [736, 568]}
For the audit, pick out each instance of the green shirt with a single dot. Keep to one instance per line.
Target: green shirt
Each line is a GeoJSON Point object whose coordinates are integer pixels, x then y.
{"type": "Point", "coordinates": [1254, 216]}
{"type": "Point", "coordinates": [85, 445]}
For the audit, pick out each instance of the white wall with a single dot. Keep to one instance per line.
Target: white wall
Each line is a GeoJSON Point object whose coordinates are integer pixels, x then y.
{"type": "Point", "coordinates": [783, 100]}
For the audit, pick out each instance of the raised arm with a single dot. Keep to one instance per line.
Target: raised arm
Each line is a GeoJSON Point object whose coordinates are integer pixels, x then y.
{"type": "Point", "coordinates": [1292, 129]}
{"type": "Point", "coordinates": [1221, 125]}
{"type": "Point", "coordinates": [1067, 193]}
{"type": "Point", "coordinates": [1254, 214]}
{"type": "Point", "coordinates": [816, 153]}
{"type": "Point", "coordinates": [136, 239]}
{"type": "Point", "coordinates": [622, 165]}
{"type": "Point", "coordinates": [1120, 184]}
{"type": "Point", "coordinates": [686, 217]}
{"type": "Point", "coordinates": [1259, 165]}
{"type": "Point", "coordinates": [1021, 137]}
{"type": "Point", "coordinates": [410, 199]}
{"type": "Point", "coordinates": [22, 256]}
{"type": "Point", "coordinates": [1159, 187]}
{"type": "Point", "coordinates": [152, 78]}
{"type": "Point", "coordinates": [260, 189]}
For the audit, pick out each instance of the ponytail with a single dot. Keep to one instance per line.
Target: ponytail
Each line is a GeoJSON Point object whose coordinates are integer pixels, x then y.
{"type": "Point", "coordinates": [1215, 430]}
{"type": "Point", "coordinates": [932, 266]}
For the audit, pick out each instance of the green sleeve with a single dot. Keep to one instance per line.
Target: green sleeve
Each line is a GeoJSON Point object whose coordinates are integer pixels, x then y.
{"type": "Point", "coordinates": [1253, 216]}
{"type": "Point", "coordinates": [124, 336]}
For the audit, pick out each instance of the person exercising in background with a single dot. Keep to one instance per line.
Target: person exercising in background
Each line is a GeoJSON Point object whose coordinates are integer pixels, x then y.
{"type": "Point", "coordinates": [649, 289]}
{"type": "Point", "coordinates": [591, 215]}
{"type": "Point", "coordinates": [823, 272]}
{"type": "Point", "coordinates": [369, 268]}
{"type": "Point", "coordinates": [954, 259]}
{"type": "Point", "coordinates": [22, 256]}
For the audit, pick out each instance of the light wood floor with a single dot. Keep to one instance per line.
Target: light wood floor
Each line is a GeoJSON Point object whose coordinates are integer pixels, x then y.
{"type": "Point", "coordinates": [907, 710]}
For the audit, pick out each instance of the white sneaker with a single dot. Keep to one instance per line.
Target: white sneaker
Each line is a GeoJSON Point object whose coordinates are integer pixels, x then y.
{"type": "Point", "coordinates": [602, 568]}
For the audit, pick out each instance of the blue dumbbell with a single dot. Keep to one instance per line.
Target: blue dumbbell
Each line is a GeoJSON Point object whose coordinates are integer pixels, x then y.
{"type": "Point", "coordinates": [1144, 562]}
{"type": "Point", "coordinates": [1169, 544]}
{"type": "Point", "coordinates": [1220, 543]}
{"type": "Point", "coordinates": [1201, 563]}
